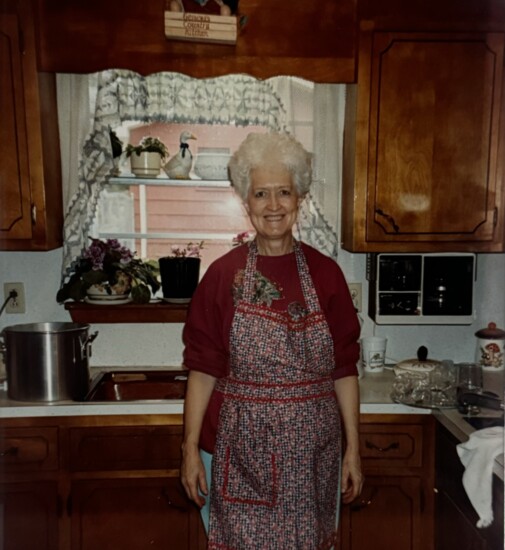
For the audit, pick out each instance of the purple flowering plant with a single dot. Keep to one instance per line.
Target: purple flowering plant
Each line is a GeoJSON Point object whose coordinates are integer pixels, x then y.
{"type": "Point", "coordinates": [191, 250]}
{"type": "Point", "coordinates": [111, 266]}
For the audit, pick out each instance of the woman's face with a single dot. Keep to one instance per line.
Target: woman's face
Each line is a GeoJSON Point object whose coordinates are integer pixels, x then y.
{"type": "Point", "coordinates": [272, 202]}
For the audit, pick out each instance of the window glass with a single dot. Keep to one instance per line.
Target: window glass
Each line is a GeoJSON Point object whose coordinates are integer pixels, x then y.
{"type": "Point", "coordinates": [151, 216]}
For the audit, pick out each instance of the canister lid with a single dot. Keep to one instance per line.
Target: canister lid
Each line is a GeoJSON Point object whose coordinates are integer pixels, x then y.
{"type": "Point", "coordinates": [492, 332]}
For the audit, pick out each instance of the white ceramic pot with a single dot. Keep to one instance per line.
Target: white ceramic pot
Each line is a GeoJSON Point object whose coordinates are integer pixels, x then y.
{"type": "Point", "coordinates": [490, 348]}
{"type": "Point", "coordinates": [145, 165]}
{"type": "Point", "coordinates": [212, 163]}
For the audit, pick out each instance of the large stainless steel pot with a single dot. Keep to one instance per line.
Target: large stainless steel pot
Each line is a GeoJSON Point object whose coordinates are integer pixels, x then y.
{"type": "Point", "coordinates": [48, 361]}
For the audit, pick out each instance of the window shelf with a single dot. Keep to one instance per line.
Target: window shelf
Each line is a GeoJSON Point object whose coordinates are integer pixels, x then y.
{"type": "Point", "coordinates": [127, 313]}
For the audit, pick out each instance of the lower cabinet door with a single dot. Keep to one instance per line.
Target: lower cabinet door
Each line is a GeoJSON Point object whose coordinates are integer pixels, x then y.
{"type": "Point", "coordinates": [108, 514]}
{"type": "Point", "coordinates": [387, 516]}
{"type": "Point", "coordinates": [29, 516]}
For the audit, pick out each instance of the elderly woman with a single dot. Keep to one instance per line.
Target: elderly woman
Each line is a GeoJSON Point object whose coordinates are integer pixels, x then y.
{"type": "Point", "coordinates": [271, 344]}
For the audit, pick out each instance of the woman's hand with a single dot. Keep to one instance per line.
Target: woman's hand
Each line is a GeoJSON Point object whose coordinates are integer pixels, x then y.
{"type": "Point", "coordinates": [352, 478]}
{"type": "Point", "coordinates": [347, 391]}
{"type": "Point", "coordinates": [193, 474]}
{"type": "Point", "coordinates": [198, 392]}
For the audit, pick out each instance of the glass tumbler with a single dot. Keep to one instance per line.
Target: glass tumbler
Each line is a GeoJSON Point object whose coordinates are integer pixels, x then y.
{"type": "Point", "coordinates": [469, 377]}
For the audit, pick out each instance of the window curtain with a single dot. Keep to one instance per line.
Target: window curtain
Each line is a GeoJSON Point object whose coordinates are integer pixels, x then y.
{"type": "Point", "coordinates": [172, 97]}
{"type": "Point", "coordinates": [319, 215]}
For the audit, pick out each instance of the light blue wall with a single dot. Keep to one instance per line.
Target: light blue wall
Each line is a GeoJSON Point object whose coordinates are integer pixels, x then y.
{"type": "Point", "coordinates": [160, 344]}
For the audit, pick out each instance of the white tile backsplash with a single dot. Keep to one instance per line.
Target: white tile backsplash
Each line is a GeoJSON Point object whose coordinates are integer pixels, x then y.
{"type": "Point", "coordinates": [161, 345]}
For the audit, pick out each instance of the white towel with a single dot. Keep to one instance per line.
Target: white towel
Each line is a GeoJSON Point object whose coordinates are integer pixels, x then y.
{"type": "Point", "coordinates": [477, 456]}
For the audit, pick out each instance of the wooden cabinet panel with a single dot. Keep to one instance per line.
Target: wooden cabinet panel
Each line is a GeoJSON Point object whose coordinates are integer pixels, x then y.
{"type": "Point", "coordinates": [130, 514]}
{"type": "Point", "coordinates": [15, 198]}
{"type": "Point", "coordinates": [125, 448]}
{"type": "Point", "coordinates": [386, 516]}
{"type": "Point", "coordinates": [29, 519]}
{"type": "Point", "coordinates": [395, 509]}
{"type": "Point", "coordinates": [316, 41]}
{"type": "Point", "coordinates": [425, 144]}
{"type": "Point", "coordinates": [391, 446]}
{"type": "Point", "coordinates": [31, 214]}
{"type": "Point", "coordinates": [28, 450]}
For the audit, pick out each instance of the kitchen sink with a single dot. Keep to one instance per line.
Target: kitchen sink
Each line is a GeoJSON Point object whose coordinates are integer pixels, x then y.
{"type": "Point", "coordinates": [143, 385]}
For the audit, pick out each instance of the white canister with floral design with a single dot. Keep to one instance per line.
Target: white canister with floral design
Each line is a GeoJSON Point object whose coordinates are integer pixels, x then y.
{"type": "Point", "coordinates": [490, 347]}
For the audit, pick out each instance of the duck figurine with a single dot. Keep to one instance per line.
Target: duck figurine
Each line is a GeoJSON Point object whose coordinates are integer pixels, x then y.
{"type": "Point", "coordinates": [179, 166]}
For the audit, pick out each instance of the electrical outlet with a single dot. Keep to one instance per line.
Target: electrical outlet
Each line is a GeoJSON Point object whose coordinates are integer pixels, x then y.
{"type": "Point", "coordinates": [17, 304]}
{"type": "Point", "coordinates": [355, 290]}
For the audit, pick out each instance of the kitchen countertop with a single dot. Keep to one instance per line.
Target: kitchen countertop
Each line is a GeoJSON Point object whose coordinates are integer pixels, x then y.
{"type": "Point", "coordinates": [374, 390]}
{"type": "Point", "coordinates": [375, 399]}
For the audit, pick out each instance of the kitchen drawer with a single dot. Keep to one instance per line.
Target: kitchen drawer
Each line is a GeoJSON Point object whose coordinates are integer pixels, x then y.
{"type": "Point", "coordinates": [391, 445]}
{"type": "Point", "coordinates": [28, 449]}
{"type": "Point", "coordinates": [125, 448]}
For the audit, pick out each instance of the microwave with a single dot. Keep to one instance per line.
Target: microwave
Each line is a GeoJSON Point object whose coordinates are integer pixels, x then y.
{"type": "Point", "coordinates": [421, 289]}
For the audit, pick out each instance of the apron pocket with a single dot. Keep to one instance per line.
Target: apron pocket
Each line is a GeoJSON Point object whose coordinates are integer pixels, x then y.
{"type": "Point", "coordinates": [250, 478]}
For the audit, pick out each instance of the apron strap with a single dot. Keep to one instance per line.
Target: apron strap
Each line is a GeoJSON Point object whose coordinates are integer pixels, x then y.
{"type": "Point", "coordinates": [309, 292]}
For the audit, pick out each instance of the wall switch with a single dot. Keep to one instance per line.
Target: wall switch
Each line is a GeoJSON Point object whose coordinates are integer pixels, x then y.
{"type": "Point", "coordinates": [17, 303]}
{"type": "Point", "coordinates": [355, 290]}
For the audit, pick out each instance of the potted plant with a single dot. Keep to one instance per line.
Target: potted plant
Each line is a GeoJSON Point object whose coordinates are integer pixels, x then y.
{"type": "Point", "coordinates": [180, 272]}
{"type": "Point", "coordinates": [145, 158]}
{"type": "Point", "coordinates": [108, 269]}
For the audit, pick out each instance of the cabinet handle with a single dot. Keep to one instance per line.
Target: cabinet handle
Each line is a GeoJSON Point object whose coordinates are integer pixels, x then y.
{"type": "Point", "coordinates": [390, 447]}
{"type": "Point", "coordinates": [171, 503]}
{"type": "Point", "coordinates": [364, 502]}
{"type": "Point", "coordinates": [389, 218]}
{"type": "Point", "coordinates": [34, 214]}
{"type": "Point", "coordinates": [11, 451]}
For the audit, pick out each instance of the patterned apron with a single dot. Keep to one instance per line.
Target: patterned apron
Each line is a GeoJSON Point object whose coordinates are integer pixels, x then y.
{"type": "Point", "coordinates": [276, 466]}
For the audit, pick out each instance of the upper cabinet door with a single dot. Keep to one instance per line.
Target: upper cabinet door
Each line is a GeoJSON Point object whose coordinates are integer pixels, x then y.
{"type": "Point", "coordinates": [428, 174]}
{"type": "Point", "coordinates": [15, 199]}
{"type": "Point", "coordinates": [31, 214]}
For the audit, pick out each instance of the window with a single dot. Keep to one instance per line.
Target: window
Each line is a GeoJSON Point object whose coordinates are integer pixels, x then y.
{"type": "Point", "coordinates": [149, 216]}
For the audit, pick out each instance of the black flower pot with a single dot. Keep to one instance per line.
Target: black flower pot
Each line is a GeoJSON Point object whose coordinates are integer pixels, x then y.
{"type": "Point", "coordinates": [179, 278]}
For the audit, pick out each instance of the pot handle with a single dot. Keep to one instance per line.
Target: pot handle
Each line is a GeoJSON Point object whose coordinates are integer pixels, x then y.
{"type": "Point", "coordinates": [86, 345]}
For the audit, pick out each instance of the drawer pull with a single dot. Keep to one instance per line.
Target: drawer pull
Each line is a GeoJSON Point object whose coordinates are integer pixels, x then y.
{"type": "Point", "coordinates": [11, 451]}
{"type": "Point", "coordinates": [364, 501]}
{"type": "Point", "coordinates": [390, 447]}
{"type": "Point", "coordinates": [171, 503]}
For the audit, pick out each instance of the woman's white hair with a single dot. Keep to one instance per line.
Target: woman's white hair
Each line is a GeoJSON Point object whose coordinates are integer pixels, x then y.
{"type": "Point", "coordinates": [270, 149]}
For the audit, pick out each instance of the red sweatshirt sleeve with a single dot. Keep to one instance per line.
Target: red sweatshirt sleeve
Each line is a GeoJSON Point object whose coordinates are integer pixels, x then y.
{"type": "Point", "coordinates": [206, 331]}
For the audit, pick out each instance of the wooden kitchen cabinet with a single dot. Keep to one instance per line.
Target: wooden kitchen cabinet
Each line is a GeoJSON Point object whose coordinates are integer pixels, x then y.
{"type": "Point", "coordinates": [455, 526]}
{"type": "Point", "coordinates": [29, 515]}
{"type": "Point", "coordinates": [125, 490]}
{"type": "Point", "coordinates": [424, 144]}
{"type": "Point", "coordinates": [395, 509]}
{"type": "Point", "coordinates": [83, 483]}
{"type": "Point", "coordinates": [131, 513]}
{"type": "Point", "coordinates": [316, 41]}
{"type": "Point", "coordinates": [29, 500]}
{"type": "Point", "coordinates": [31, 215]}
